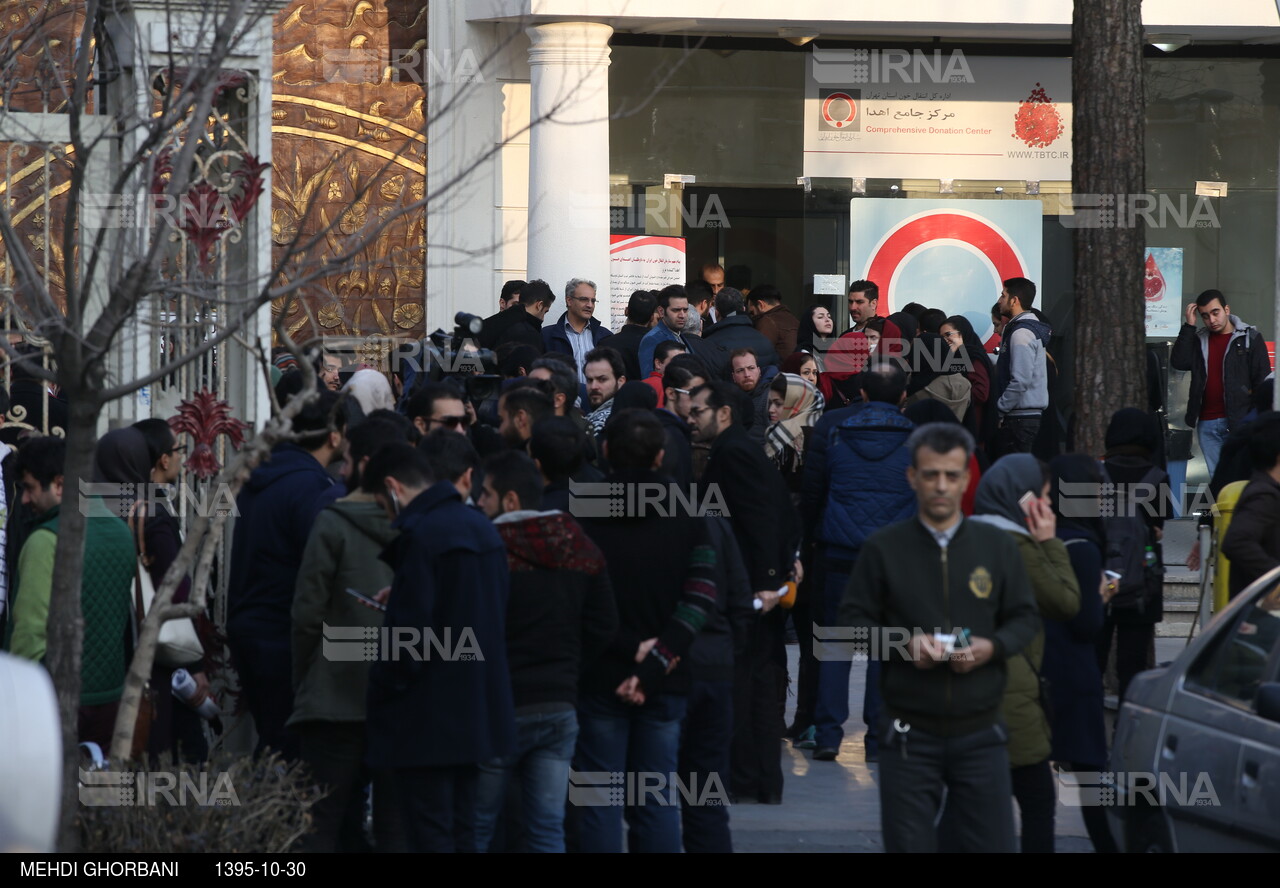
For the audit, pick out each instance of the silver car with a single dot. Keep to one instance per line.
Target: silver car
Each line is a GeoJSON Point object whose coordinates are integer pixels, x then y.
{"type": "Point", "coordinates": [1196, 758]}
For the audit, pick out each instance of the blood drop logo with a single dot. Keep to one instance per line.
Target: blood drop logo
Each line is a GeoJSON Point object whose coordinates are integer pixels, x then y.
{"type": "Point", "coordinates": [1037, 122]}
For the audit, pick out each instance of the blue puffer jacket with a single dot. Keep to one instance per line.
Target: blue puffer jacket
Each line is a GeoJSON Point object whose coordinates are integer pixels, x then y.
{"type": "Point", "coordinates": [866, 474]}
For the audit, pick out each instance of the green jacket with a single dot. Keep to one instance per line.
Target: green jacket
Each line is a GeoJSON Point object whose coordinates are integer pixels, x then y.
{"type": "Point", "coordinates": [106, 596]}
{"type": "Point", "coordinates": [1053, 581]}
{"type": "Point", "coordinates": [342, 553]}
{"type": "Point", "coordinates": [903, 582]}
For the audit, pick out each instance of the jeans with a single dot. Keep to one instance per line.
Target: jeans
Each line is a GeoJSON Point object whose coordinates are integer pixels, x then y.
{"type": "Point", "coordinates": [1017, 434]}
{"type": "Point", "coordinates": [439, 807]}
{"type": "Point", "coordinates": [1212, 434]}
{"type": "Point", "coordinates": [832, 710]}
{"type": "Point", "coordinates": [641, 744]}
{"type": "Point", "coordinates": [915, 767]}
{"type": "Point", "coordinates": [540, 762]}
{"type": "Point", "coordinates": [808, 606]}
{"type": "Point", "coordinates": [704, 765]}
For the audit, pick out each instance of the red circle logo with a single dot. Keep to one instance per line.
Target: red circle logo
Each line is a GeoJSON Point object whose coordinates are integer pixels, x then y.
{"type": "Point", "coordinates": [836, 121]}
{"type": "Point", "coordinates": [938, 225]}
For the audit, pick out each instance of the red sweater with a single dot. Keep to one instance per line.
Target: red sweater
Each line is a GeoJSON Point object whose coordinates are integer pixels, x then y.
{"type": "Point", "coordinates": [1214, 403]}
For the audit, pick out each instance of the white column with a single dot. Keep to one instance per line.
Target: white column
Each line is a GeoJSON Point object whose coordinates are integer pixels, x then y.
{"type": "Point", "coordinates": [569, 158]}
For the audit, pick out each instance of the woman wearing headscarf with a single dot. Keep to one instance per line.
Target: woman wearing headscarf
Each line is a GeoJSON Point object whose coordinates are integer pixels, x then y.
{"type": "Point", "coordinates": [795, 406]}
{"type": "Point", "coordinates": [846, 359]}
{"type": "Point", "coordinates": [968, 352]}
{"type": "Point", "coordinates": [906, 325]}
{"type": "Point", "coordinates": [802, 364]}
{"type": "Point", "coordinates": [371, 391]}
{"type": "Point", "coordinates": [817, 331]}
{"type": "Point", "coordinates": [1070, 658]}
{"type": "Point", "coordinates": [933, 375]}
{"type": "Point", "coordinates": [126, 457]}
{"type": "Point", "coordinates": [1132, 443]}
{"type": "Point", "coordinates": [1013, 495]}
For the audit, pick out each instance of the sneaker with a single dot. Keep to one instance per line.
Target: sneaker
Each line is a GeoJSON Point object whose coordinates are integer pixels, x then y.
{"type": "Point", "coordinates": [806, 740]}
{"type": "Point", "coordinates": [826, 754]}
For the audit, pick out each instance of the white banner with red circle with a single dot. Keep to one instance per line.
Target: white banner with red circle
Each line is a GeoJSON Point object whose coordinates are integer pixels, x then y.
{"type": "Point", "coordinates": [947, 254]}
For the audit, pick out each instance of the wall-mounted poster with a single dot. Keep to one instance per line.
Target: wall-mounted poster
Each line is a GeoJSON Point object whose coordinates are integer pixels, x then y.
{"type": "Point", "coordinates": [641, 262]}
{"type": "Point", "coordinates": [1162, 291]}
{"type": "Point", "coordinates": [947, 254]}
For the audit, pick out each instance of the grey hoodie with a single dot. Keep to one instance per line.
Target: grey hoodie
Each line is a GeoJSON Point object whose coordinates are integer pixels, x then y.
{"type": "Point", "coordinates": [1026, 389]}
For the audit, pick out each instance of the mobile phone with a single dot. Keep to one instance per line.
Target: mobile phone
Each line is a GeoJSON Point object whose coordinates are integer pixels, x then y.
{"type": "Point", "coordinates": [1025, 499]}
{"type": "Point", "coordinates": [366, 600]}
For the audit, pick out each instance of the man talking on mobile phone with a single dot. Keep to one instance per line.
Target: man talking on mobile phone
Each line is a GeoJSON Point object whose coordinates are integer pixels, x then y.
{"type": "Point", "coordinates": [917, 586]}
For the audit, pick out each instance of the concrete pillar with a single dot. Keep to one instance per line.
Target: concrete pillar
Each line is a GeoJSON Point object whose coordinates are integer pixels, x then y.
{"type": "Point", "coordinates": [569, 158]}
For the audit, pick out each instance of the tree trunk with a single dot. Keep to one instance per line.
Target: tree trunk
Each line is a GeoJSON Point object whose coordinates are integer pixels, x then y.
{"type": "Point", "coordinates": [1109, 117]}
{"type": "Point", "coordinates": [66, 620]}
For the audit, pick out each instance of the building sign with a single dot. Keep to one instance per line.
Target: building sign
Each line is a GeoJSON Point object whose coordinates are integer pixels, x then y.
{"type": "Point", "coordinates": [1162, 290]}
{"type": "Point", "coordinates": [641, 262]}
{"type": "Point", "coordinates": [894, 114]}
{"type": "Point", "coordinates": [947, 254]}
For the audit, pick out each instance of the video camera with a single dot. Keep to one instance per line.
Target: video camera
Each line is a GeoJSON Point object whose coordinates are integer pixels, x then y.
{"type": "Point", "coordinates": [455, 358]}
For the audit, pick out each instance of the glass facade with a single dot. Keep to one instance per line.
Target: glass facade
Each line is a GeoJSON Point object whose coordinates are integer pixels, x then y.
{"type": "Point", "coordinates": [734, 119]}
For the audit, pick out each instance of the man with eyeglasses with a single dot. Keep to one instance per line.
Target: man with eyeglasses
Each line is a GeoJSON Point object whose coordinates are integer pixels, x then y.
{"type": "Point", "coordinates": [682, 375]}
{"type": "Point", "coordinates": [577, 332]}
{"type": "Point", "coordinates": [757, 504]}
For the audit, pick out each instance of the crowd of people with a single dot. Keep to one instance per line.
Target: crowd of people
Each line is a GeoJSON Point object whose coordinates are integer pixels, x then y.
{"type": "Point", "coordinates": [890, 483]}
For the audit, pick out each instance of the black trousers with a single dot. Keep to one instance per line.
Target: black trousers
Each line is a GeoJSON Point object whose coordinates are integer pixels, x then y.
{"type": "Point", "coordinates": [808, 605]}
{"type": "Point", "coordinates": [704, 765]}
{"type": "Point", "coordinates": [759, 714]}
{"type": "Point", "coordinates": [1017, 434]}
{"type": "Point", "coordinates": [1133, 649]}
{"type": "Point", "coordinates": [1033, 787]}
{"type": "Point", "coordinates": [916, 767]}
{"type": "Point", "coordinates": [264, 667]}
{"type": "Point", "coordinates": [334, 751]}
{"type": "Point", "coordinates": [439, 807]}
{"type": "Point", "coordinates": [1095, 816]}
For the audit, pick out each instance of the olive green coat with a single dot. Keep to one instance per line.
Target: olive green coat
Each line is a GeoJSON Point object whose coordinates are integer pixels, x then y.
{"type": "Point", "coordinates": [1057, 595]}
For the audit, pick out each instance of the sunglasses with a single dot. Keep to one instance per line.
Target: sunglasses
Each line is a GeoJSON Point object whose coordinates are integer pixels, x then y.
{"type": "Point", "coordinates": [452, 422]}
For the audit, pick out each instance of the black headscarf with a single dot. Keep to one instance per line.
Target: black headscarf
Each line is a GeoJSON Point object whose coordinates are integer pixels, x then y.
{"type": "Point", "coordinates": [1132, 432]}
{"type": "Point", "coordinates": [906, 323]}
{"type": "Point", "coordinates": [122, 457]}
{"type": "Point", "coordinates": [929, 410]}
{"type": "Point", "coordinates": [1074, 507]}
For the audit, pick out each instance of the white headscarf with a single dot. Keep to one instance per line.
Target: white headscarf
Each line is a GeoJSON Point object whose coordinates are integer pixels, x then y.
{"type": "Point", "coordinates": [371, 390]}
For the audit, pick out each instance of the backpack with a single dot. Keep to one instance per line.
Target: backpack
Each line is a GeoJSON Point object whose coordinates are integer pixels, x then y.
{"type": "Point", "coordinates": [1125, 551]}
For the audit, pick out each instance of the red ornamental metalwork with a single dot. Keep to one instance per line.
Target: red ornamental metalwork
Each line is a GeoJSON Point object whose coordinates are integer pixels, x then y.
{"type": "Point", "coordinates": [204, 418]}
{"type": "Point", "coordinates": [206, 212]}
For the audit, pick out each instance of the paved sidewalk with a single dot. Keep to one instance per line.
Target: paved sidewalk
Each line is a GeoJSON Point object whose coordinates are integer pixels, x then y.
{"type": "Point", "coordinates": [835, 806]}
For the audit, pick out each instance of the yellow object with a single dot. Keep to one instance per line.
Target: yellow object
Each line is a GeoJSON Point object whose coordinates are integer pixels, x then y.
{"type": "Point", "coordinates": [788, 593]}
{"type": "Point", "coordinates": [1224, 509]}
